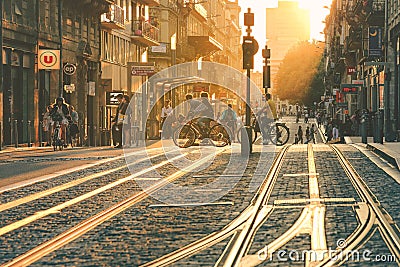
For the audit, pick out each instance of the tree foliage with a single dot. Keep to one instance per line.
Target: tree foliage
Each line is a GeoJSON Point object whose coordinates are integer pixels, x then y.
{"type": "Point", "coordinates": [297, 79]}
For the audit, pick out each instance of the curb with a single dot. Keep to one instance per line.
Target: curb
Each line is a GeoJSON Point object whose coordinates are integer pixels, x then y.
{"type": "Point", "coordinates": [392, 160]}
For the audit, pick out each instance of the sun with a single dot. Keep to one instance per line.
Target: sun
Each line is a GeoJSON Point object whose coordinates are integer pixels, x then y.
{"type": "Point", "coordinates": [319, 9]}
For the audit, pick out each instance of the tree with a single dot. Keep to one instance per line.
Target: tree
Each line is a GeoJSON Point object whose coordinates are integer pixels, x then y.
{"type": "Point", "coordinates": [295, 78]}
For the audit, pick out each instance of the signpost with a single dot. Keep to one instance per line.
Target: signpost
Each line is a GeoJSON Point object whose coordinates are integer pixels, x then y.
{"type": "Point", "coordinates": [250, 48]}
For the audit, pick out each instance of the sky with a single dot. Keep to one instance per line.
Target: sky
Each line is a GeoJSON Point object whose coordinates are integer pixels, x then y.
{"type": "Point", "coordinates": [317, 15]}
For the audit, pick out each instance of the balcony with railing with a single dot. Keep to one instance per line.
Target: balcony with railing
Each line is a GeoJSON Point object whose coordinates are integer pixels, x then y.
{"type": "Point", "coordinates": [145, 34]}
{"type": "Point", "coordinates": [114, 18]}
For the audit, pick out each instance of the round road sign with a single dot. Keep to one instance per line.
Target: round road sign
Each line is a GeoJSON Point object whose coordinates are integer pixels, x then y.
{"type": "Point", "coordinates": [69, 69]}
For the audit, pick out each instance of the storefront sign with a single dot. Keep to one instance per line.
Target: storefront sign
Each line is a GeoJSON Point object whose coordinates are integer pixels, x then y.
{"type": "Point", "coordinates": [349, 88]}
{"type": "Point", "coordinates": [351, 70]}
{"type": "Point", "coordinates": [49, 59]}
{"type": "Point", "coordinates": [142, 69]}
{"type": "Point", "coordinates": [375, 41]}
{"type": "Point", "coordinates": [111, 98]}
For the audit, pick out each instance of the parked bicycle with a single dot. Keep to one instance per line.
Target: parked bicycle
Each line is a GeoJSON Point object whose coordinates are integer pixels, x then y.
{"type": "Point", "coordinates": [186, 135]}
{"type": "Point", "coordinates": [277, 133]}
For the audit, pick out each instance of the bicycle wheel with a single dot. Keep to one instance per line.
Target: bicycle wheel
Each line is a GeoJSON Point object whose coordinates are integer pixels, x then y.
{"type": "Point", "coordinates": [239, 134]}
{"type": "Point", "coordinates": [220, 135]}
{"type": "Point", "coordinates": [184, 136]}
{"type": "Point", "coordinates": [279, 135]}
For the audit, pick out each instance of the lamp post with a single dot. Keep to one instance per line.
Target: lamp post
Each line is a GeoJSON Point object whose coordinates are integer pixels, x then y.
{"type": "Point", "coordinates": [250, 48]}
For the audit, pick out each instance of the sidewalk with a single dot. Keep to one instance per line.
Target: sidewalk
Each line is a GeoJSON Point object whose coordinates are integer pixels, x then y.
{"type": "Point", "coordinates": [390, 151]}
{"type": "Point", "coordinates": [10, 149]}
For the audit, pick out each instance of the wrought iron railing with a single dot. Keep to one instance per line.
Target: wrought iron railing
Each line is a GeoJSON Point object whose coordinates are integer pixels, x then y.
{"type": "Point", "coordinates": [145, 29]}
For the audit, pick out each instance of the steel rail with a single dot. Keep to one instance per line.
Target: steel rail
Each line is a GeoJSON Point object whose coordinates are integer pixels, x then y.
{"type": "Point", "coordinates": [208, 241]}
{"type": "Point", "coordinates": [62, 187]}
{"type": "Point", "coordinates": [40, 214]}
{"type": "Point", "coordinates": [202, 243]}
{"type": "Point", "coordinates": [242, 243]}
{"type": "Point", "coordinates": [73, 233]}
{"type": "Point", "coordinates": [68, 171]}
{"type": "Point", "coordinates": [388, 233]}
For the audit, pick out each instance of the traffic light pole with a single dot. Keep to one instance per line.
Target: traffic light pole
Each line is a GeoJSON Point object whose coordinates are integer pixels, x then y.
{"type": "Point", "coordinates": [250, 48]}
{"type": "Point", "coordinates": [248, 108]}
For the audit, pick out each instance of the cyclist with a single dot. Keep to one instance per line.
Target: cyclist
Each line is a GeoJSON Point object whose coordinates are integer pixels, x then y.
{"type": "Point", "coordinates": [205, 111]}
{"type": "Point", "coordinates": [266, 119]}
{"type": "Point", "coordinates": [60, 113]}
{"type": "Point", "coordinates": [229, 117]}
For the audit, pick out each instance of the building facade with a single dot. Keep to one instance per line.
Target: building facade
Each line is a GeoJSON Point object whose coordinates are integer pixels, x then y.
{"type": "Point", "coordinates": [72, 29]}
{"type": "Point", "coordinates": [287, 25]}
{"type": "Point", "coordinates": [361, 62]}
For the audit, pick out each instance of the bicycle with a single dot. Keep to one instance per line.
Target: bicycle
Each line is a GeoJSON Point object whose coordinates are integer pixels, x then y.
{"type": "Point", "coordinates": [57, 141]}
{"type": "Point", "coordinates": [278, 133]}
{"type": "Point", "coordinates": [186, 135]}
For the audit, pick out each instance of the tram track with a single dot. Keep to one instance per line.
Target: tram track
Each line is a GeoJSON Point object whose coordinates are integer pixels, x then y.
{"type": "Point", "coordinates": [243, 229]}
{"type": "Point", "coordinates": [92, 222]}
{"type": "Point", "coordinates": [60, 173]}
{"type": "Point", "coordinates": [237, 229]}
{"type": "Point", "coordinates": [373, 214]}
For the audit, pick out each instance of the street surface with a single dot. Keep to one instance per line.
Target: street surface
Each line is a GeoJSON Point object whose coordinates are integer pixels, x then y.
{"type": "Point", "coordinates": [295, 205]}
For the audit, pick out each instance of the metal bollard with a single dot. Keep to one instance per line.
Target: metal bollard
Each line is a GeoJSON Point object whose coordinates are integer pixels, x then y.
{"type": "Point", "coordinates": [29, 134]}
{"type": "Point", "coordinates": [40, 133]}
{"type": "Point", "coordinates": [16, 133]}
{"type": "Point", "coordinates": [95, 135]}
{"type": "Point", "coordinates": [364, 121]}
{"type": "Point", "coordinates": [380, 126]}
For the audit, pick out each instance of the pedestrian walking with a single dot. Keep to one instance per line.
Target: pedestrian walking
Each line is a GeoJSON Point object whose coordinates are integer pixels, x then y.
{"type": "Point", "coordinates": [48, 125]}
{"type": "Point", "coordinates": [229, 118]}
{"type": "Point", "coordinates": [307, 135]}
{"type": "Point", "coordinates": [73, 126]}
{"type": "Point", "coordinates": [306, 117]}
{"type": "Point", "coordinates": [167, 120]}
{"type": "Point", "coordinates": [300, 135]}
{"type": "Point", "coordinates": [118, 122]}
{"type": "Point", "coordinates": [328, 131]}
{"type": "Point", "coordinates": [312, 134]}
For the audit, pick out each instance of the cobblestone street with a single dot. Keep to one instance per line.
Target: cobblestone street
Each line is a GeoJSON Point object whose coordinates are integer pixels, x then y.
{"type": "Point", "coordinates": [219, 210]}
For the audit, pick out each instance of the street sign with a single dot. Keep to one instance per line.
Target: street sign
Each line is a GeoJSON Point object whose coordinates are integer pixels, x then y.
{"type": "Point", "coordinates": [49, 59]}
{"type": "Point", "coordinates": [69, 69]}
{"type": "Point", "coordinates": [142, 69]}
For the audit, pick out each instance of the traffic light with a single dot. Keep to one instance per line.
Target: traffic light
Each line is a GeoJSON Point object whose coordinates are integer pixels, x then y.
{"type": "Point", "coordinates": [267, 77]}
{"type": "Point", "coordinates": [250, 48]}
{"type": "Point", "coordinates": [266, 53]}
